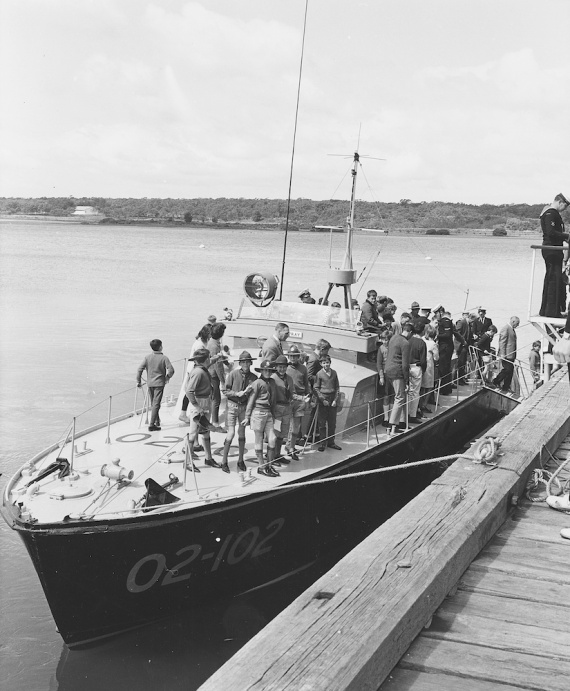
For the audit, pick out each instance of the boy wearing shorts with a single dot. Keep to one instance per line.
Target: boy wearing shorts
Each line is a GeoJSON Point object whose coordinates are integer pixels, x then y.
{"type": "Point", "coordinates": [260, 414]}
{"type": "Point", "coordinates": [237, 389]}
{"type": "Point", "coordinates": [199, 392]}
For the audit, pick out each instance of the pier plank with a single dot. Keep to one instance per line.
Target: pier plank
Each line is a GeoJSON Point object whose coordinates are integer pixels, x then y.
{"type": "Point", "coordinates": [406, 679]}
{"type": "Point", "coordinates": [515, 586]}
{"type": "Point", "coordinates": [379, 597]}
{"type": "Point", "coordinates": [513, 625]}
{"type": "Point", "coordinates": [538, 560]}
{"type": "Point", "coordinates": [488, 664]}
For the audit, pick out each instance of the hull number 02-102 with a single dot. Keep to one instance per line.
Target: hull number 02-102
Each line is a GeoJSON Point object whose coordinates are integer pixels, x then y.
{"type": "Point", "coordinates": [232, 550]}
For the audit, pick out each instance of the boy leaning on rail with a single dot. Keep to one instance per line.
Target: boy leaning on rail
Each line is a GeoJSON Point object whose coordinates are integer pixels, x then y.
{"type": "Point", "coordinates": [159, 371]}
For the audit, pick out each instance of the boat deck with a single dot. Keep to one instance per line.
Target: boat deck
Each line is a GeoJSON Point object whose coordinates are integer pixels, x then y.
{"type": "Point", "coordinates": [508, 623]}
{"type": "Point", "coordinates": [86, 494]}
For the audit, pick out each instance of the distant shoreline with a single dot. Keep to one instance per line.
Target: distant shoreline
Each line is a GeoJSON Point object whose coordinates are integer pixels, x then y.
{"type": "Point", "coordinates": [97, 220]}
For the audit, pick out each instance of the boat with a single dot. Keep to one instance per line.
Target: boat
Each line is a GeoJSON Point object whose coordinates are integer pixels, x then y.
{"type": "Point", "coordinates": [122, 530]}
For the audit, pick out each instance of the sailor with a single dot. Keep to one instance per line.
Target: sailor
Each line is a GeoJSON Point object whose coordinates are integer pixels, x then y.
{"type": "Point", "coordinates": [553, 235]}
{"type": "Point", "coordinates": [199, 392]}
{"type": "Point", "coordinates": [260, 413]}
{"type": "Point", "coordinates": [446, 331]}
{"type": "Point", "coordinates": [305, 296]}
{"type": "Point", "coordinates": [237, 390]}
{"type": "Point", "coordinates": [301, 397]}
{"type": "Point", "coordinates": [284, 389]}
{"type": "Point", "coordinates": [273, 346]}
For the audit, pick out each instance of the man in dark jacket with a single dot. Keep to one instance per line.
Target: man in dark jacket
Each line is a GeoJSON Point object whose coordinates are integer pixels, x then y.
{"type": "Point", "coordinates": [397, 371]}
{"type": "Point", "coordinates": [554, 291]}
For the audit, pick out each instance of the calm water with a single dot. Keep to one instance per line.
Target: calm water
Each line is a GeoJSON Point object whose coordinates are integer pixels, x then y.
{"type": "Point", "coordinates": [78, 305]}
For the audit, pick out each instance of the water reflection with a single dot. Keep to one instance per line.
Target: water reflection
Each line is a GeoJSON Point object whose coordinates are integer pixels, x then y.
{"type": "Point", "coordinates": [180, 652]}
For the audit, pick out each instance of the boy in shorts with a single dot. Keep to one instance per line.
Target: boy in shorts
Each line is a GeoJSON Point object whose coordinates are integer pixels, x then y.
{"type": "Point", "coordinates": [260, 414]}
{"type": "Point", "coordinates": [237, 390]}
{"type": "Point", "coordinates": [199, 392]}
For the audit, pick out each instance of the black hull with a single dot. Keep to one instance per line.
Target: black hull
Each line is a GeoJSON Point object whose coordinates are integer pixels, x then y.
{"type": "Point", "coordinates": [103, 579]}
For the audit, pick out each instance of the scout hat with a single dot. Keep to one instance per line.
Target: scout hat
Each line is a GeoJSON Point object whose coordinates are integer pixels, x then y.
{"type": "Point", "coordinates": [200, 355]}
{"type": "Point", "coordinates": [244, 355]}
{"type": "Point", "coordinates": [415, 306]}
{"type": "Point", "coordinates": [265, 364]}
{"type": "Point", "coordinates": [294, 350]}
{"type": "Point", "coordinates": [304, 292]}
{"type": "Point", "coordinates": [280, 360]}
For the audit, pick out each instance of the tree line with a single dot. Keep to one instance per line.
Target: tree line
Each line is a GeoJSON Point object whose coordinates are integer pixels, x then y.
{"type": "Point", "coordinates": [303, 212]}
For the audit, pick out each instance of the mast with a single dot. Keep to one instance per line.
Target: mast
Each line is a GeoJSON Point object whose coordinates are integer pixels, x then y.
{"type": "Point", "coordinates": [346, 276]}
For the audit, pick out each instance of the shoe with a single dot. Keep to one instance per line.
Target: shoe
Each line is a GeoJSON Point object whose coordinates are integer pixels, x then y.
{"type": "Point", "coordinates": [301, 441]}
{"type": "Point", "coordinates": [212, 463]}
{"type": "Point", "coordinates": [154, 428]}
{"type": "Point", "coordinates": [394, 431]}
{"type": "Point", "coordinates": [322, 447]}
{"type": "Point", "coordinates": [294, 456]}
{"type": "Point", "coordinates": [402, 427]}
{"type": "Point", "coordinates": [192, 468]}
{"type": "Point", "coordinates": [198, 447]}
{"type": "Point", "coordinates": [414, 420]}
{"type": "Point", "coordinates": [386, 424]}
{"type": "Point", "coordinates": [428, 410]}
{"type": "Point", "coordinates": [184, 418]}
{"type": "Point", "coordinates": [268, 470]}
{"type": "Point", "coordinates": [565, 532]}
{"type": "Point", "coordinates": [225, 467]}
{"type": "Point", "coordinates": [335, 447]}
{"type": "Point", "coordinates": [419, 414]}
{"type": "Point", "coordinates": [241, 466]}
{"type": "Point", "coordinates": [561, 503]}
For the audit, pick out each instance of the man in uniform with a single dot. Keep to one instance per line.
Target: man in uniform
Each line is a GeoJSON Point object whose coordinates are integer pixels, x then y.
{"type": "Point", "coordinates": [553, 234]}
{"type": "Point", "coordinates": [445, 334]}
{"type": "Point", "coordinates": [305, 296]}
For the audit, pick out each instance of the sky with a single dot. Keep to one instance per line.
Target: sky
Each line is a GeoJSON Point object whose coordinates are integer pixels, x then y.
{"type": "Point", "coordinates": [466, 100]}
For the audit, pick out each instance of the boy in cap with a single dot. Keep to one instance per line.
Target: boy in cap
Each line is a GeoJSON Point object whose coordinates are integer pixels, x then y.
{"type": "Point", "coordinates": [301, 397]}
{"type": "Point", "coordinates": [199, 392]}
{"type": "Point", "coordinates": [237, 390]}
{"type": "Point", "coordinates": [284, 389]}
{"type": "Point", "coordinates": [260, 413]}
{"type": "Point", "coordinates": [159, 371]}
{"type": "Point", "coordinates": [327, 389]}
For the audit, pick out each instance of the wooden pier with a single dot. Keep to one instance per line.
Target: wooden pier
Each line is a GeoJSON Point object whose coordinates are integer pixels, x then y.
{"type": "Point", "coordinates": [461, 589]}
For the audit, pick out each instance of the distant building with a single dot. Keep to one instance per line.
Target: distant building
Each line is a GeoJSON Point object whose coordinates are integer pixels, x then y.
{"type": "Point", "coordinates": [85, 211]}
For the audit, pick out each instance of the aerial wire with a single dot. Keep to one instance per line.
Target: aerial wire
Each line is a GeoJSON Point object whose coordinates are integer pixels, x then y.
{"type": "Point", "coordinates": [293, 151]}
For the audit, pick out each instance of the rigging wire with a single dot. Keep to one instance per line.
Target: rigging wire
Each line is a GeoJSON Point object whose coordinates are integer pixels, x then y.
{"type": "Point", "coordinates": [293, 151]}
